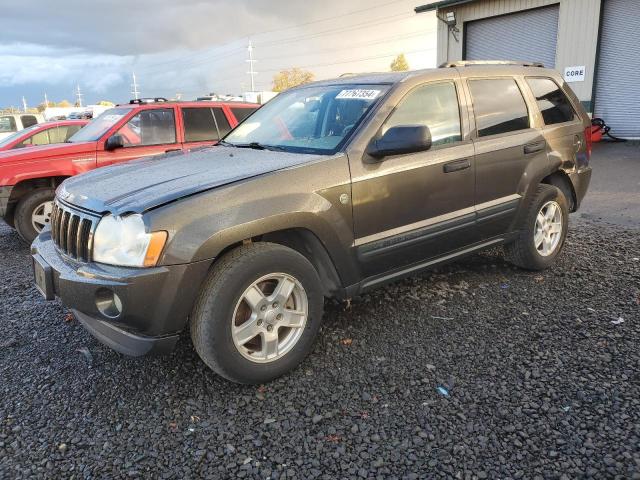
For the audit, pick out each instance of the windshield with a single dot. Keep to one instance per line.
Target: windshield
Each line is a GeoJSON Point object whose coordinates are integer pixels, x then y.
{"type": "Point", "coordinates": [97, 127]}
{"type": "Point", "coordinates": [313, 119]}
{"type": "Point", "coordinates": [7, 140]}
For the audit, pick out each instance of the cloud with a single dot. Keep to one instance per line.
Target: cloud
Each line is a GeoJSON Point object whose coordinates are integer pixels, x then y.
{"type": "Point", "coordinates": [28, 64]}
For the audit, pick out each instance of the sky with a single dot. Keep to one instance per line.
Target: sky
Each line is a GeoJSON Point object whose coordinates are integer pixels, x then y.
{"type": "Point", "coordinates": [193, 47]}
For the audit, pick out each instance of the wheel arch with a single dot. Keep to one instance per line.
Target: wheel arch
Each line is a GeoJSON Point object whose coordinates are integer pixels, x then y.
{"type": "Point", "coordinates": [562, 181]}
{"type": "Point", "coordinates": [23, 187]}
{"type": "Point", "coordinates": [306, 243]}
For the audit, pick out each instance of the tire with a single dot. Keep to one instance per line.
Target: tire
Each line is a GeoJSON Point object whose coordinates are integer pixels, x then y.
{"type": "Point", "coordinates": [217, 320]}
{"type": "Point", "coordinates": [29, 204]}
{"type": "Point", "coordinates": [526, 251]}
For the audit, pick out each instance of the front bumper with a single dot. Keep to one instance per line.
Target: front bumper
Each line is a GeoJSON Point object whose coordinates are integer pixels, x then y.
{"type": "Point", "coordinates": [580, 180]}
{"type": "Point", "coordinates": [152, 304]}
{"type": "Point", "coordinates": [5, 194]}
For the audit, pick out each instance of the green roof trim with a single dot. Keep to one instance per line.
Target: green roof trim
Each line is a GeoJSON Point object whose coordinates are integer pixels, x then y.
{"type": "Point", "coordinates": [442, 3]}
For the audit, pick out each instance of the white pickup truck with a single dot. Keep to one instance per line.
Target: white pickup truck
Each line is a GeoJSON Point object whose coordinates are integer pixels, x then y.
{"type": "Point", "coordinates": [14, 122]}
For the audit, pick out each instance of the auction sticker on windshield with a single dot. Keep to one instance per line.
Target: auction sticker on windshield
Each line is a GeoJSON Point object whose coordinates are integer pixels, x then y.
{"type": "Point", "coordinates": [358, 94]}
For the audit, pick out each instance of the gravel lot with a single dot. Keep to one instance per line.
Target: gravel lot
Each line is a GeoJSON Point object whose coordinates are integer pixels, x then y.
{"type": "Point", "coordinates": [539, 376]}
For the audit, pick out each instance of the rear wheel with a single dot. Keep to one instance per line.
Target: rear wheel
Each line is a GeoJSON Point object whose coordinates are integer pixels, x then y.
{"type": "Point", "coordinates": [33, 213]}
{"type": "Point", "coordinates": [258, 313]}
{"type": "Point", "coordinates": [543, 230]}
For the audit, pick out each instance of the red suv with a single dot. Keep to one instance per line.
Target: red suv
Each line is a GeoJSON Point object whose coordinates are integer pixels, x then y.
{"type": "Point", "coordinates": [29, 177]}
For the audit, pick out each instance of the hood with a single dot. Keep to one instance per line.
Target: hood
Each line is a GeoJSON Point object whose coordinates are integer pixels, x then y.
{"type": "Point", "coordinates": [146, 183]}
{"type": "Point", "coordinates": [44, 151]}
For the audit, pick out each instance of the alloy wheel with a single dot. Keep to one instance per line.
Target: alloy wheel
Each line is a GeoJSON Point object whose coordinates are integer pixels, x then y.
{"type": "Point", "coordinates": [548, 229]}
{"type": "Point", "coordinates": [41, 215]}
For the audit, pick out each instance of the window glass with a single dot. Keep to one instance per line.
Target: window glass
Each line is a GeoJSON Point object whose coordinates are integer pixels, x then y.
{"type": "Point", "coordinates": [71, 131]}
{"type": "Point", "coordinates": [61, 133]}
{"type": "Point", "coordinates": [40, 138]}
{"type": "Point", "coordinates": [221, 120]}
{"type": "Point", "coordinates": [552, 102]}
{"type": "Point", "coordinates": [435, 106]}
{"type": "Point", "coordinates": [498, 106]}
{"type": "Point", "coordinates": [199, 125]}
{"type": "Point", "coordinates": [312, 119]}
{"type": "Point", "coordinates": [100, 125]}
{"type": "Point", "coordinates": [28, 120]}
{"type": "Point", "coordinates": [7, 124]}
{"type": "Point", "coordinates": [242, 113]}
{"type": "Point", "coordinates": [149, 127]}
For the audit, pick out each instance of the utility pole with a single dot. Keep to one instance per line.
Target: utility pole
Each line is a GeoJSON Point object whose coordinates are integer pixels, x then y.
{"type": "Point", "coordinates": [251, 71]}
{"type": "Point", "coordinates": [24, 103]}
{"type": "Point", "coordinates": [78, 96]}
{"type": "Point", "coordinates": [46, 100]}
{"type": "Point", "coordinates": [134, 87]}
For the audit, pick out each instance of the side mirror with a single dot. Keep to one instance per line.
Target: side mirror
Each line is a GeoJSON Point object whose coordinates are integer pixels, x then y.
{"type": "Point", "coordinates": [400, 140]}
{"type": "Point", "coordinates": [113, 142]}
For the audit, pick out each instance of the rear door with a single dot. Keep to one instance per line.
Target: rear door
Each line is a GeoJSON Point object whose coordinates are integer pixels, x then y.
{"type": "Point", "coordinates": [507, 147]}
{"type": "Point", "coordinates": [150, 131]}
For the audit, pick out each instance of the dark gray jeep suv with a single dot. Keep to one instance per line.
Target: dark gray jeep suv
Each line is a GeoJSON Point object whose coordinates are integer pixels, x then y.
{"type": "Point", "coordinates": [329, 190]}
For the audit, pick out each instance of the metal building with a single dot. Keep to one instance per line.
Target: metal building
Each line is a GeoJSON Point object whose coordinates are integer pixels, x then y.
{"type": "Point", "coordinates": [594, 43]}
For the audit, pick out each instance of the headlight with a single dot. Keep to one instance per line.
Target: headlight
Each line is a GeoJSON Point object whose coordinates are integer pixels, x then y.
{"type": "Point", "coordinates": [124, 241]}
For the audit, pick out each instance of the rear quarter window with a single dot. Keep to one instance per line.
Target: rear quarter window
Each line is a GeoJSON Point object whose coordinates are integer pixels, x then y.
{"type": "Point", "coordinates": [499, 106]}
{"type": "Point", "coordinates": [28, 121]}
{"type": "Point", "coordinates": [552, 102]}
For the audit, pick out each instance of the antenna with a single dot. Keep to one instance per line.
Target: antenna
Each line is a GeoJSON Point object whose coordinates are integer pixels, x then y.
{"type": "Point", "coordinates": [78, 96]}
{"type": "Point", "coordinates": [134, 87]}
{"type": "Point", "coordinates": [251, 71]}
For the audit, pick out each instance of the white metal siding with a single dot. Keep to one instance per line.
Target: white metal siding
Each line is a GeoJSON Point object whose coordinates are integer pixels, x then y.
{"type": "Point", "coordinates": [530, 35]}
{"type": "Point", "coordinates": [617, 98]}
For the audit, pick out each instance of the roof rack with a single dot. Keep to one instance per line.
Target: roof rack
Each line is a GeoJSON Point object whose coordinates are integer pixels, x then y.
{"type": "Point", "coordinates": [147, 100]}
{"type": "Point", "coordinates": [473, 63]}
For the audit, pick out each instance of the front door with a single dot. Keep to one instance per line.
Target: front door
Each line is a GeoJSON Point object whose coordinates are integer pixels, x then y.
{"type": "Point", "coordinates": [149, 132]}
{"type": "Point", "coordinates": [410, 208]}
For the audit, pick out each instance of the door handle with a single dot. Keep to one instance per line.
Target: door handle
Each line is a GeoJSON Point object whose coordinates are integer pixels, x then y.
{"type": "Point", "coordinates": [534, 147]}
{"type": "Point", "coordinates": [456, 166]}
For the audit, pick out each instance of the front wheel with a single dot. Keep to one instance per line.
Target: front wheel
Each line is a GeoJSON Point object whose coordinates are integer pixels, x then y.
{"type": "Point", "coordinates": [258, 313]}
{"type": "Point", "coordinates": [543, 230]}
{"type": "Point", "coordinates": [33, 213]}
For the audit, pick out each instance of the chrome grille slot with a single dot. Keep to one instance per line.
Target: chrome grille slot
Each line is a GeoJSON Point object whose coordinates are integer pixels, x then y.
{"type": "Point", "coordinates": [72, 231]}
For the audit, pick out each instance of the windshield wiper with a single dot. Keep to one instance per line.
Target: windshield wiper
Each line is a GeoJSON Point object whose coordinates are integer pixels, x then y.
{"type": "Point", "coordinates": [260, 146]}
{"type": "Point", "coordinates": [224, 143]}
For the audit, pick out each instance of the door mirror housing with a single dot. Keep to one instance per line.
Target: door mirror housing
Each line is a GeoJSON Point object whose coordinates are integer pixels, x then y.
{"type": "Point", "coordinates": [113, 142]}
{"type": "Point", "coordinates": [401, 140]}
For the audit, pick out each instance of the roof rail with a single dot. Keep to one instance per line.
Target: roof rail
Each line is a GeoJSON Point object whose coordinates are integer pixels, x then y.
{"type": "Point", "coordinates": [472, 63]}
{"type": "Point", "coordinates": [147, 100]}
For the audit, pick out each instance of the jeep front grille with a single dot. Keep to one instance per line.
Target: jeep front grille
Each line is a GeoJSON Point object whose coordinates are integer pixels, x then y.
{"type": "Point", "coordinates": [72, 231]}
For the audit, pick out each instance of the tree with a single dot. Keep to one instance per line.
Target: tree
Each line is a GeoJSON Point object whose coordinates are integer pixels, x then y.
{"type": "Point", "coordinates": [106, 103]}
{"type": "Point", "coordinates": [291, 78]}
{"type": "Point", "coordinates": [64, 104]}
{"type": "Point", "coordinates": [399, 64]}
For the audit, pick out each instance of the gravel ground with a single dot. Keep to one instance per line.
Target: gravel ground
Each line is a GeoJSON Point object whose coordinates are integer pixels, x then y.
{"type": "Point", "coordinates": [539, 378]}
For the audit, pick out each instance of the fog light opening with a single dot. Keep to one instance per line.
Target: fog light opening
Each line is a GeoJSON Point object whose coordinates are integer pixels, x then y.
{"type": "Point", "coordinates": [108, 303]}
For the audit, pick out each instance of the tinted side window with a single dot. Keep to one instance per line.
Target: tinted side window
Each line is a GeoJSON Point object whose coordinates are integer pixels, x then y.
{"type": "Point", "coordinates": [40, 138]}
{"type": "Point", "coordinates": [58, 134]}
{"type": "Point", "coordinates": [498, 106]}
{"type": "Point", "coordinates": [435, 106]}
{"type": "Point", "coordinates": [28, 121]}
{"type": "Point", "coordinates": [71, 131]}
{"type": "Point", "coordinates": [221, 120]}
{"type": "Point", "coordinates": [199, 125]}
{"type": "Point", "coordinates": [242, 113]}
{"type": "Point", "coordinates": [7, 124]}
{"type": "Point", "coordinates": [150, 127]}
{"type": "Point", "coordinates": [552, 102]}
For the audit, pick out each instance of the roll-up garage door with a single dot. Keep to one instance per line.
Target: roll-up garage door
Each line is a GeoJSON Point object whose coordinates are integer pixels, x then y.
{"type": "Point", "coordinates": [530, 36]}
{"type": "Point", "coordinates": [617, 98]}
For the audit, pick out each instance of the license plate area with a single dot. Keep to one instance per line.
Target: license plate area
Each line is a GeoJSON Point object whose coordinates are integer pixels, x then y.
{"type": "Point", "coordinates": [43, 276]}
